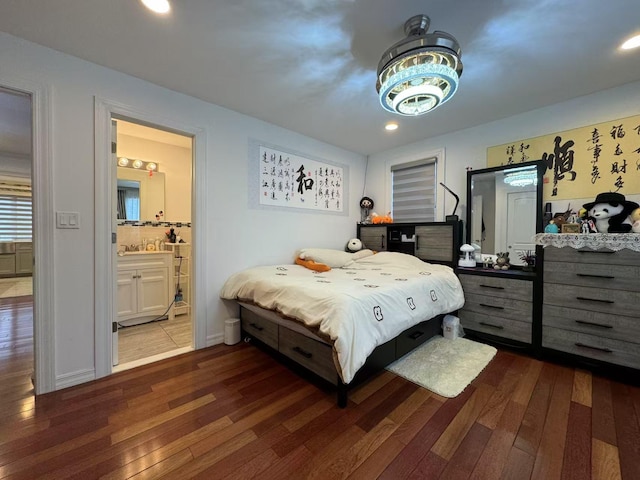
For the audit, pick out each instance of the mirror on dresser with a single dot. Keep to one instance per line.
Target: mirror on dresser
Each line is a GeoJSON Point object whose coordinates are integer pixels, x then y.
{"type": "Point", "coordinates": [505, 208]}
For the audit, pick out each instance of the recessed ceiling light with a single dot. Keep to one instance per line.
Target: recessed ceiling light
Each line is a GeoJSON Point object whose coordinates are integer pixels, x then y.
{"type": "Point", "coordinates": [158, 6]}
{"type": "Point", "coordinates": [633, 42]}
{"type": "Point", "coordinates": [391, 126]}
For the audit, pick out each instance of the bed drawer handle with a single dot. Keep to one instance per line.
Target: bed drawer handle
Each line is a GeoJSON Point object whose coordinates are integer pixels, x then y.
{"type": "Point", "coordinates": [492, 306]}
{"type": "Point", "coordinates": [600, 349]}
{"type": "Point", "coordinates": [594, 300]}
{"type": "Point", "coordinates": [302, 352]}
{"type": "Point", "coordinates": [256, 326]}
{"type": "Point", "coordinates": [491, 286]}
{"type": "Point", "coordinates": [592, 324]}
{"type": "Point", "coordinates": [416, 335]}
{"type": "Point", "coordinates": [594, 276]}
{"type": "Point", "coordinates": [382, 241]}
{"type": "Point", "coordinates": [499, 327]}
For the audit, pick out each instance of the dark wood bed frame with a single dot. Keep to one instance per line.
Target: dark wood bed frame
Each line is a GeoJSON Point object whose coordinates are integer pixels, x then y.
{"type": "Point", "coordinates": [300, 355]}
{"type": "Point", "coordinates": [315, 356]}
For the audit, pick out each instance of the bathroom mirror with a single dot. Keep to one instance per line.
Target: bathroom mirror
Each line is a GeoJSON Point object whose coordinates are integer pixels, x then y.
{"type": "Point", "coordinates": [504, 209]}
{"type": "Point", "coordinates": [140, 194]}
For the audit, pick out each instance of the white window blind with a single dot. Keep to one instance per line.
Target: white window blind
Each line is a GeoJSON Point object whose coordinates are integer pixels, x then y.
{"type": "Point", "coordinates": [414, 191]}
{"type": "Point", "coordinates": [16, 215]}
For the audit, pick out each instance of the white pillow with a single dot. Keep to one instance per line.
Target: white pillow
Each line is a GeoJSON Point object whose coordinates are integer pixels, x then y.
{"type": "Point", "coordinates": [328, 256]}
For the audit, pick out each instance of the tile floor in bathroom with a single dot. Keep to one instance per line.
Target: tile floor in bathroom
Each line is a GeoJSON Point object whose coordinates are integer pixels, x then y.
{"type": "Point", "coordinates": [142, 341]}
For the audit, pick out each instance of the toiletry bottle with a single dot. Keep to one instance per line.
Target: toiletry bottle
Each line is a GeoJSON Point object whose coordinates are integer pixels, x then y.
{"type": "Point", "coordinates": [157, 244]}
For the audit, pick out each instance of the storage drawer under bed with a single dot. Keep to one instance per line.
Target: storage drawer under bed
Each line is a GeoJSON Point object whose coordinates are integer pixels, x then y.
{"type": "Point", "coordinates": [311, 354]}
{"type": "Point", "coordinates": [417, 335]}
{"type": "Point", "coordinates": [258, 327]}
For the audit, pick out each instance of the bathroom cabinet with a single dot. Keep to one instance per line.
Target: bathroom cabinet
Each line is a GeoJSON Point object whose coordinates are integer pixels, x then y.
{"type": "Point", "coordinates": [24, 258]}
{"type": "Point", "coordinates": [144, 287]}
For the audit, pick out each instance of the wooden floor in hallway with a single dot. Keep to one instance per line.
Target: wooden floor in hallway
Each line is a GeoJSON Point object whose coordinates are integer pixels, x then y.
{"type": "Point", "coordinates": [234, 412]}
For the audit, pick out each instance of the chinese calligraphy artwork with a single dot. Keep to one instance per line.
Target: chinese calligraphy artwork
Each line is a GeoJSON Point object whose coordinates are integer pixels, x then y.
{"type": "Point", "coordinates": [288, 180]}
{"type": "Point", "coordinates": [582, 162]}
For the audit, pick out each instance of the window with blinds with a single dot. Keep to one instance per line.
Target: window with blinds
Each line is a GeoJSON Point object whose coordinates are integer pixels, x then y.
{"type": "Point", "coordinates": [16, 215]}
{"type": "Point", "coordinates": [414, 191]}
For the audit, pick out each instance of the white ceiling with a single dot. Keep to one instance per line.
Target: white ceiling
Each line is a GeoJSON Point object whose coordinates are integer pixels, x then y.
{"type": "Point", "coordinates": [310, 65]}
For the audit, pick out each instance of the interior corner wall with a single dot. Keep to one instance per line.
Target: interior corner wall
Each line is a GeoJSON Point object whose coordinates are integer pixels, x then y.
{"type": "Point", "coordinates": [237, 235]}
{"type": "Point", "coordinates": [468, 148]}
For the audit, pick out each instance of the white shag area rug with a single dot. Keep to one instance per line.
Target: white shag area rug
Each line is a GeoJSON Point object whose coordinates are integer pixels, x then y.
{"type": "Point", "coordinates": [444, 366]}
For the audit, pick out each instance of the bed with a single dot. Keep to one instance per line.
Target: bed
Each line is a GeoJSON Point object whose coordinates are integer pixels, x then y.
{"type": "Point", "coordinates": [346, 323]}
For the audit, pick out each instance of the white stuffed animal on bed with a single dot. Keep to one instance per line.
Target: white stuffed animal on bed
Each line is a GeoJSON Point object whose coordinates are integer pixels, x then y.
{"type": "Point", "coordinates": [354, 245]}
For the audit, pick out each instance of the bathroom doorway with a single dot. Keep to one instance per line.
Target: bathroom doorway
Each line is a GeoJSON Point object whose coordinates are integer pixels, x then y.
{"type": "Point", "coordinates": [153, 284]}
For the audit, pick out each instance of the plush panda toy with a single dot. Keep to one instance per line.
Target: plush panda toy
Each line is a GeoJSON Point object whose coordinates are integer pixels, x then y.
{"type": "Point", "coordinates": [354, 245]}
{"type": "Point", "coordinates": [611, 212]}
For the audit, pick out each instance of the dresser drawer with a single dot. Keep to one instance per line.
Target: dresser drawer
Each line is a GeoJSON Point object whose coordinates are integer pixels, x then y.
{"type": "Point", "coordinates": [263, 330]}
{"type": "Point", "coordinates": [497, 287]}
{"type": "Point", "coordinates": [374, 238]}
{"type": "Point", "coordinates": [594, 323]}
{"type": "Point", "coordinates": [500, 327]}
{"type": "Point", "coordinates": [613, 302]}
{"type": "Point", "coordinates": [314, 355]}
{"type": "Point", "coordinates": [607, 276]}
{"type": "Point", "coordinates": [592, 346]}
{"type": "Point", "coordinates": [499, 306]}
{"type": "Point", "coordinates": [607, 257]}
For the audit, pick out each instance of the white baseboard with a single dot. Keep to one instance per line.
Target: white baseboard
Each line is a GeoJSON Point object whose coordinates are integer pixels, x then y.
{"type": "Point", "coordinates": [216, 339]}
{"type": "Point", "coordinates": [75, 378]}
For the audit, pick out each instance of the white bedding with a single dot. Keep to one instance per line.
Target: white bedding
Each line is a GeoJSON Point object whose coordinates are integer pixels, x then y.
{"type": "Point", "coordinates": [359, 306]}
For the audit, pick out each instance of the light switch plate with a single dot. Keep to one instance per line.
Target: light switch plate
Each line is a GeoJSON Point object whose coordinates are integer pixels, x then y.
{"type": "Point", "coordinates": [67, 220]}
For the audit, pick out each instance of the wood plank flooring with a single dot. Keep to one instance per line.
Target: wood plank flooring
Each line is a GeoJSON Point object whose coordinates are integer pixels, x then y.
{"type": "Point", "coordinates": [233, 412]}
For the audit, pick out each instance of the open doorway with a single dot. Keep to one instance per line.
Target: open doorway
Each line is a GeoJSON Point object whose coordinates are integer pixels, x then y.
{"type": "Point", "coordinates": [17, 349]}
{"type": "Point", "coordinates": [153, 314]}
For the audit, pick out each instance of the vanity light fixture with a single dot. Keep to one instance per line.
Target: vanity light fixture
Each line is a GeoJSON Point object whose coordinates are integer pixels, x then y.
{"type": "Point", "coordinates": [137, 164]}
{"type": "Point", "coordinates": [157, 6]}
{"type": "Point", "coordinates": [420, 72]}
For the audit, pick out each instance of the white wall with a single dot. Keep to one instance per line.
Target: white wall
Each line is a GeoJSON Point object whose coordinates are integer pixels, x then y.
{"type": "Point", "coordinates": [237, 236]}
{"type": "Point", "coordinates": [468, 148]}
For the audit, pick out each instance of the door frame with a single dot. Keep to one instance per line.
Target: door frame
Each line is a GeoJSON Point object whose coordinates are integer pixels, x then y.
{"type": "Point", "coordinates": [106, 251]}
{"type": "Point", "coordinates": [43, 230]}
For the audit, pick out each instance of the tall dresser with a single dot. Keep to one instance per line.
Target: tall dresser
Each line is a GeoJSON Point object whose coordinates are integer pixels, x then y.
{"type": "Point", "coordinates": [591, 297]}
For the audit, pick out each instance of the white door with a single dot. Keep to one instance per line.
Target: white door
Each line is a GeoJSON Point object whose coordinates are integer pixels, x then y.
{"type": "Point", "coordinates": [521, 229]}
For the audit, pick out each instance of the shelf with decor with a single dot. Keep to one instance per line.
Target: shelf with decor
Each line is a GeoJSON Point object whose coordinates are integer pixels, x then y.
{"type": "Point", "coordinates": [181, 276]}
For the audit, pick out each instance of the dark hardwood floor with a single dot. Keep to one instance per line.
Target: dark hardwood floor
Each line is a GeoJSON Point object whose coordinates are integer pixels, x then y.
{"type": "Point", "coordinates": [234, 412]}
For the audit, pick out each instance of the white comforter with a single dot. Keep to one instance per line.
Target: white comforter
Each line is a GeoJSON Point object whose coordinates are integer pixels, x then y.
{"type": "Point", "coordinates": [359, 306]}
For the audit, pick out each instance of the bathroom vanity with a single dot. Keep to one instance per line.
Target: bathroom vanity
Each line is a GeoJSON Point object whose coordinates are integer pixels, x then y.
{"type": "Point", "coordinates": [144, 287]}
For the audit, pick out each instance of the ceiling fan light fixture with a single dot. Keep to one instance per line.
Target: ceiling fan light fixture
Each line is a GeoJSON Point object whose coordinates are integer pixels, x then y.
{"type": "Point", "coordinates": [157, 6]}
{"type": "Point", "coordinates": [420, 72]}
{"type": "Point", "coordinates": [631, 43]}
